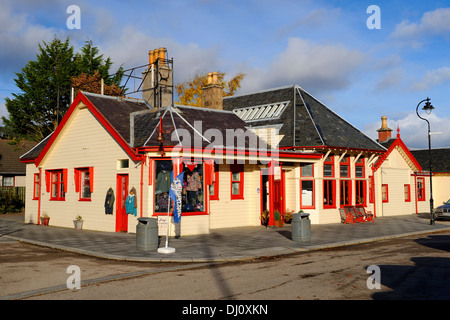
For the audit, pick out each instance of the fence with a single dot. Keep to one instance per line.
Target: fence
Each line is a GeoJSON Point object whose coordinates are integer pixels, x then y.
{"type": "Point", "coordinates": [20, 191]}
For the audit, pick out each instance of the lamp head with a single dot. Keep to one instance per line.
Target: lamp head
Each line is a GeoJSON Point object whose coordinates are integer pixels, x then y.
{"type": "Point", "coordinates": [428, 107]}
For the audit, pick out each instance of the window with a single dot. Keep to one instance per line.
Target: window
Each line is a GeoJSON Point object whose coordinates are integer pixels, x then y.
{"type": "Point", "coordinates": [193, 198]}
{"type": "Point", "coordinates": [384, 193]}
{"type": "Point", "coordinates": [8, 181]}
{"type": "Point", "coordinates": [306, 170]}
{"type": "Point", "coordinates": [36, 187]}
{"type": "Point", "coordinates": [307, 186]}
{"type": "Point", "coordinates": [307, 189]}
{"type": "Point", "coordinates": [360, 192]}
{"type": "Point", "coordinates": [123, 164]}
{"type": "Point", "coordinates": [163, 178]}
{"type": "Point", "coordinates": [359, 168]}
{"type": "Point", "coordinates": [84, 182]}
{"type": "Point", "coordinates": [344, 167]}
{"type": "Point", "coordinates": [214, 187]}
{"type": "Point", "coordinates": [329, 194]}
{"type": "Point", "coordinates": [58, 184]}
{"type": "Point", "coordinates": [421, 189]}
{"type": "Point", "coordinates": [237, 181]}
{"type": "Point", "coordinates": [407, 192]}
{"type": "Point", "coordinates": [328, 166]}
{"type": "Point", "coordinates": [345, 189]}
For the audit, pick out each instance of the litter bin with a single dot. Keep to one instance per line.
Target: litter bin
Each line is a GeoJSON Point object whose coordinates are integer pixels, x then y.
{"type": "Point", "coordinates": [147, 234]}
{"type": "Point", "coordinates": [301, 227]}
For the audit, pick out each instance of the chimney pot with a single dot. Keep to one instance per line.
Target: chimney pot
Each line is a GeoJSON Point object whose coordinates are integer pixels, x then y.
{"type": "Point", "coordinates": [384, 133]}
{"type": "Point", "coordinates": [162, 56]}
{"type": "Point", "coordinates": [151, 57]}
{"type": "Point", "coordinates": [214, 77]}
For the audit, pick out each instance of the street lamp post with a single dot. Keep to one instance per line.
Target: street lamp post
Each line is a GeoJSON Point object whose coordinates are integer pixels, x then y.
{"type": "Point", "coordinates": [428, 108]}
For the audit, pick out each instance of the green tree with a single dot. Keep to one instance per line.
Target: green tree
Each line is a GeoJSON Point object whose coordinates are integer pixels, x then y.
{"type": "Point", "coordinates": [46, 87]}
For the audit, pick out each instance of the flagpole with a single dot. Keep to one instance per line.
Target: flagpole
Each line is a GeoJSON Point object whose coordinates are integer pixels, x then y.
{"type": "Point", "coordinates": [167, 249]}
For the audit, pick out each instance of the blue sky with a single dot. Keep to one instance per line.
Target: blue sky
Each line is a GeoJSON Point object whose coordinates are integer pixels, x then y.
{"type": "Point", "coordinates": [323, 46]}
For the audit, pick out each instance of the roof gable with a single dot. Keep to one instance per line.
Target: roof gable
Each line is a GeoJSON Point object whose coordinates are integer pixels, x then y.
{"type": "Point", "coordinates": [104, 114]}
{"type": "Point", "coordinates": [398, 143]}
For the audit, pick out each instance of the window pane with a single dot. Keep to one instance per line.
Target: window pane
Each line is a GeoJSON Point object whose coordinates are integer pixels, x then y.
{"type": "Point", "coordinates": [235, 188]}
{"type": "Point", "coordinates": [359, 172]}
{"type": "Point", "coordinates": [85, 185]}
{"type": "Point", "coordinates": [163, 179]}
{"type": "Point", "coordinates": [307, 193]}
{"type": "Point", "coordinates": [307, 170]}
{"type": "Point", "coordinates": [236, 176]}
{"type": "Point", "coordinates": [344, 171]}
{"type": "Point", "coordinates": [328, 170]}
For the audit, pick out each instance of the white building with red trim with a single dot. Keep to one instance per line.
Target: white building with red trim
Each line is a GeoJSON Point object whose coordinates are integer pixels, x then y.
{"type": "Point", "coordinates": [276, 150]}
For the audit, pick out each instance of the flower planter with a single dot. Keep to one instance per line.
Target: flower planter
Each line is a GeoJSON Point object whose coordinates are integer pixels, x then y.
{"type": "Point", "coordinates": [279, 223]}
{"type": "Point", "coordinates": [78, 224]}
{"type": "Point", "coordinates": [45, 221]}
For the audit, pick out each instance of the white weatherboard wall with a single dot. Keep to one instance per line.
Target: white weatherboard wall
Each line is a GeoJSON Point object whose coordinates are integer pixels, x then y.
{"type": "Point", "coordinates": [227, 213]}
{"type": "Point", "coordinates": [84, 142]}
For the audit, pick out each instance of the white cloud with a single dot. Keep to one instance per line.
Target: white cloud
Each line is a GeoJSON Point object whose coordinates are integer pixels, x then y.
{"type": "Point", "coordinates": [432, 78]}
{"type": "Point", "coordinates": [19, 38]}
{"type": "Point", "coordinates": [432, 23]}
{"type": "Point", "coordinates": [414, 131]}
{"type": "Point", "coordinates": [313, 66]}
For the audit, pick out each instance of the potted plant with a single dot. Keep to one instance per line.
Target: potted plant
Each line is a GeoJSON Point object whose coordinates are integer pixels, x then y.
{"type": "Point", "coordinates": [264, 218]}
{"type": "Point", "coordinates": [78, 222]}
{"type": "Point", "coordinates": [45, 219]}
{"type": "Point", "coordinates": [279, 221]}
{"type": "Point", "coordinates": [288, 216]}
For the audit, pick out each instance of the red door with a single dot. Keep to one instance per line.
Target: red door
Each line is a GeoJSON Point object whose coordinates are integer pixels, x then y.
{"type": "Point", "coordinates": [122, 192]}
{"type": "Point", "coordinates": [277, 196]}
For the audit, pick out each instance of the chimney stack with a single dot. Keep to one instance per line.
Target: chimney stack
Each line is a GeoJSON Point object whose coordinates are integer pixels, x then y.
{"type": "Point", "coordinates": [157, 83]}
{"type": "Point", "coordinates": [384, 133]}
{"type": "Point", "coordinates": [212, 93]}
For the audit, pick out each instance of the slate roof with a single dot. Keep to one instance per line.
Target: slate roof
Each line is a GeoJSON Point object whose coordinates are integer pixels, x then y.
{"type": "Point", "coordinates": [194, 121]}
{"type": "Point", "coordinates": [117, 111]}
{"type": "Point", "coordinates": [305, 122]}
{"type": "Point", "coordinates": [440, 159]}
{"type": "Point", "coordinates": [10, 154]}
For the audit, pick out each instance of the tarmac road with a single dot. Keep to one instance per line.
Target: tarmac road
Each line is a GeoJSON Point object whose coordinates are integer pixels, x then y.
{"type": "Point", "coordinates": [414, 267]}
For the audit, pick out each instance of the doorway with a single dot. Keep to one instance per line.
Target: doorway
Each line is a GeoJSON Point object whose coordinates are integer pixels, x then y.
{"type": "Point", "coordinates": [121, 213]}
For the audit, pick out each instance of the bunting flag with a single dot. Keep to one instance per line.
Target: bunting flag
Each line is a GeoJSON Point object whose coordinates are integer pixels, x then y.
{"type": "Point", "coordinates": [175, 195]}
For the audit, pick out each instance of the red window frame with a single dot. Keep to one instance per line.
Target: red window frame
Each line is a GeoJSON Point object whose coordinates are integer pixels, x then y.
{"type": "Point", "coordinates": [36, 186]}
{"type": "Point", "coordinates": [329, 186]}
{"type": "Point", "coordinates": [57, 184]}
{"type": "Point", "coordinates": [360, 163]}
{"type": "Point", "coordinates": [360, 186]}
{"type": "Point", "coordinates": [421, 189]}
{"type": "Point", "coordinates": [385, 193]}
{"type": "Point", "coordinates": [345, 192]}
{"type": "Point", "coordinates": [234, 169]}
{"type": "Point", "coordinates": [79, 183]}
{"type": "Point", "coordinates": [215, 184]}
{"type": "Point", "coordinates": [407, 192]}
{"type": "Point", "coordinates": [345, 162]}
{"type": "Point", "coordinates": [329, 161]}
{"type": "Point", "coordinates": [307, 178]}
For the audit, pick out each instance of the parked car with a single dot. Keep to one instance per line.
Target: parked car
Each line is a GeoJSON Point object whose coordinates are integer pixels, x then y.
{"type": "Point", "coordinates": [443, 211]}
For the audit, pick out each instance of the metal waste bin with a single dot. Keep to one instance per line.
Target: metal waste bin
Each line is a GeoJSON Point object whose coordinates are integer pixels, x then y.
{"type": "Point", "coordinates": [147, 234]}
{"type": "Point", "coordinates": [301, 227]}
